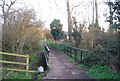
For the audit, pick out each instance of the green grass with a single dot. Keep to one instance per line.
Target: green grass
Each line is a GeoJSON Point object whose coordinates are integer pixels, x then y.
{"type": "Point", "coordinates": [71, 59]}
{"type": "Point", "coordinates": [46, 42]}
{"type": "Point", "coordinates": [41, 75]}
{"type": "Point", "coordinates": [21, 75]}
{"type": "Point", "coordinates": [40, 48]}
{"type": "Point", "coordinates": [15, 75]}
{"type": "Point", "coordinates": [58, 47]}
{"type": "Point", "coordinates": [81, 66]}
{"type": "Point", "coordinates": [102, 72]}
{"type": "Point", "coordinates": [99, 72]}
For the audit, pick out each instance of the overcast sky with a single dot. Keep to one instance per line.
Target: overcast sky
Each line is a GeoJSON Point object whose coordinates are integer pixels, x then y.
{"type": "Point", "coordinates": [48, 10]}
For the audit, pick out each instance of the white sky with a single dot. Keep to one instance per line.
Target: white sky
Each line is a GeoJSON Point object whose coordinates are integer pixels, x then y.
{"type": "Point", "coordinates": [48, 10]}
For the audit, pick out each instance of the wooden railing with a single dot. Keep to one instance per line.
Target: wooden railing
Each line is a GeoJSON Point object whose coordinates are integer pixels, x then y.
{"type": "Point", "coordinates": [76, 53]}
{"type": "Point", "coordinates": [20, 63]}
{"type": "Point", "coordinates": [46, 54]}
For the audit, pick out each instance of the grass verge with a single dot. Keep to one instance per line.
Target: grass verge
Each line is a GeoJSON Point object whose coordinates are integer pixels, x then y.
{"type": "Point", "coordinates": [102, 72]}
{"type": "Point", "coordinates": [71, 59]}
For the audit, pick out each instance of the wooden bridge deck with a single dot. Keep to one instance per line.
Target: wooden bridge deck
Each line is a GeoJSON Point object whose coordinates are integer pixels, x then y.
{"type": "Point", "coordinates": [62, 68]}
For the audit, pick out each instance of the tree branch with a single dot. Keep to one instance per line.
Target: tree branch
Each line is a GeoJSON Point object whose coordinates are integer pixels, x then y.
{"type": "Point", "coordinates": [76, 6]}
{"type": "Point", "coordinates": [3, 6]}
{"type": "Point", "coordinates": [9, 6]}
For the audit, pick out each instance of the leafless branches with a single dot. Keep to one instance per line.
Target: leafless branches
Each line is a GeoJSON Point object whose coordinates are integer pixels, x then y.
{"type": "Point", "coordinates": [76, 6]}
{"type": "Point", "coordinates": [6, 8]}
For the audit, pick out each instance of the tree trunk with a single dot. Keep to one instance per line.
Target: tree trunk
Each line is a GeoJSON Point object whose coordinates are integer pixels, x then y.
{"type": "Point", "coordinates": [69, 22]}
{"type": "Point", "coordinates": [93, 12]}
{"type": "Point", "coordinates": [92, 29]}
{"type": "Point", "coordinates": [96, 10]}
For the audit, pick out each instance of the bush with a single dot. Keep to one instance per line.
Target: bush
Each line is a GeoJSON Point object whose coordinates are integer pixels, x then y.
{"type": "Point", "coordinates": [91, 59]}
{"type": "Point", "coordinates": [109, 57]}
{"type": "Point", "coordinates": [34, 58]}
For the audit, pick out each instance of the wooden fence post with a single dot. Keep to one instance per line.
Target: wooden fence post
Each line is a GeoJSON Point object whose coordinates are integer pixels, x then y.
{"type": "Point", "coordinates": [27, 61]}
{"type": "Point", "coordinates": [81, 56]}
{"type": "Point", "coordinates": [75, 54]}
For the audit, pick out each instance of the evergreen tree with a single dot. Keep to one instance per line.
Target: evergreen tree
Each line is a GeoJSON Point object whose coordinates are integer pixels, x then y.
{"type": "Point", "coordinates": [56, 29]}
{"type": "Point", "coordinates": [114, 20]}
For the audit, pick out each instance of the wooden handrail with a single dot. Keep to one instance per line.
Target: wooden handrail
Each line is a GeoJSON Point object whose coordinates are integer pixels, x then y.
{"type": "Point", "coordinates": [10, 62]}
{"type": "Point", "coordinates": [21, 70]}
{"type": "Point", "coordinates": [47, 48]}
{"type": "Point", "coordinates": [13, 54]}
{"type": "Point", "coordinates": [46, 54]}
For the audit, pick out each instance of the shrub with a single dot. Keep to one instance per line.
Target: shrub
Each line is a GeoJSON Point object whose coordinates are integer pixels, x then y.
{"type": "Point", "coordinates": [91, 59]}
{"type": "Point", "coordinates": [33, 61]}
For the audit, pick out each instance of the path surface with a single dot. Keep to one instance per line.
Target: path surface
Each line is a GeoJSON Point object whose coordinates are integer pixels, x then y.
{"type": "Point", "coordinates": [62, 68]}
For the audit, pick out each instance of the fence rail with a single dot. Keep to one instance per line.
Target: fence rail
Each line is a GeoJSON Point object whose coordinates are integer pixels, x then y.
{"type": "Point", "coordinates": [13, 54]}
{"type": "Point", "coordinates": [46, 53]}
{"type": "Point", "coordinates": [76, 53]}
{"type": "Point", "coordinates": [20, 63]}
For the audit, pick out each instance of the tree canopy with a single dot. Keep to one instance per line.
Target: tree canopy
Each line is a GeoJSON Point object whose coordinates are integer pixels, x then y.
{"type": "Point", "coordinates": [56, 29]}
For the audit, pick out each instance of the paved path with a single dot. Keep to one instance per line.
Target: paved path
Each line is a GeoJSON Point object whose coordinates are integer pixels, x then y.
{"type": "Point", "coordinates": [62, 68]}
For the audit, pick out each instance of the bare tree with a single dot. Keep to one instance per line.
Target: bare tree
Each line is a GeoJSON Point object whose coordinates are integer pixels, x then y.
{"type": "Point", "coordinates": [96, 9]}
{"type": "Point", "coordinates": [77, 33]}
{"type": "Point", "coordinates": [69, 21]}
{"type": "Point", "coordinates": [94, 27]}
{"type": "Point", "coordinates": [69, 13]}
{"type": "Point", "coordinates": [6, 8]}
{"type": "Point", "coordinates": [19, 30]}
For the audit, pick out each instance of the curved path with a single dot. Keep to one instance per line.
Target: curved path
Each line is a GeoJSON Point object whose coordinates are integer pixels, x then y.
{"type": "Point", "coordinates": [62, 68]}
